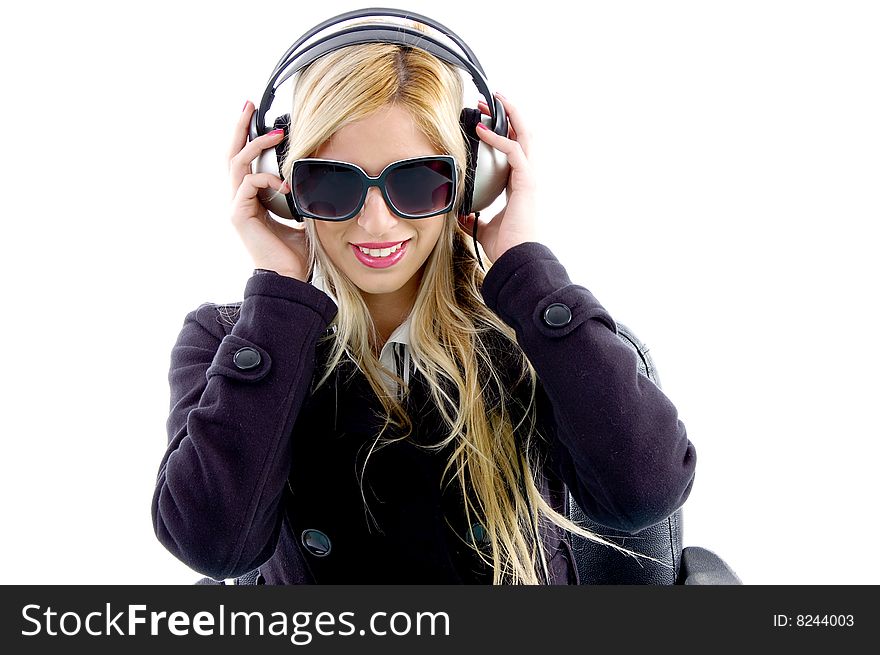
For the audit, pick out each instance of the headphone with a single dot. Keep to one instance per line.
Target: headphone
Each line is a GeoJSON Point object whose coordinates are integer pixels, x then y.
{"type": "Point", "coordinates": [487, 170]}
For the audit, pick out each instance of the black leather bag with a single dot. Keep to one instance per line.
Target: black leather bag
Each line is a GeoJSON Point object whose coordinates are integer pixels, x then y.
{"type": "Point", "coordinates": [599, 564]}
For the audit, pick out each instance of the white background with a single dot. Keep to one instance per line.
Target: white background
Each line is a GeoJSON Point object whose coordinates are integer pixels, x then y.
{"type": "Point", "coordinates": [708, 170]}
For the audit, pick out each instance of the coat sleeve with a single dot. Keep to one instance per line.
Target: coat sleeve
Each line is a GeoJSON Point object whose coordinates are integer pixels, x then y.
{"type": "Point", "coordinates": [616, 440]}
{"type": "Point", "coordinates": [217, 502]}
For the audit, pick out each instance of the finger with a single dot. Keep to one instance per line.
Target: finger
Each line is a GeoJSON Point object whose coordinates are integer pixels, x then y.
{"type": "Point", "coordinates": [251, 149]}
{"type": "Point", "coordinates": [516, 123]}
{"type": "Point", "coordinates": [240, 164]}
{"type": "Point", "coordinates": [511, 132]}
{"type": "Point", "coordinates": [484, 108]}
{"type": "Point", "coordinates": [252, 183]}
{"type": "Point", "coordinates": [516, 155]}
{"type": "Point", "coordinates": [239, 136]}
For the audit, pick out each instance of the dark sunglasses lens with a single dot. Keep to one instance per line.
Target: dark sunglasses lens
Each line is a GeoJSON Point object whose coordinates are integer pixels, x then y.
{"type": "Point", "coordinates": [326, 190]}
{"type": "Point", "coordinates": [421, 187]}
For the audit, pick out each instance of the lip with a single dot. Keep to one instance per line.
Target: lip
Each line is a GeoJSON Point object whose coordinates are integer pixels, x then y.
{"type": "Point", "coordinates": [380, 262]}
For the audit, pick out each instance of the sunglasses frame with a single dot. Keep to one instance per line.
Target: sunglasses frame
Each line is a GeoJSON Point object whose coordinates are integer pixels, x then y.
{"type": "Point", "coordinates": [368, 181]}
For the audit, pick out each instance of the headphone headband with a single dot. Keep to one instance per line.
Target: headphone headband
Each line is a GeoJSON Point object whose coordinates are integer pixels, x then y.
{"type": "Point", "coordinates": [386, 11]}
{"type": "Point", "coordinates": [375, 33]}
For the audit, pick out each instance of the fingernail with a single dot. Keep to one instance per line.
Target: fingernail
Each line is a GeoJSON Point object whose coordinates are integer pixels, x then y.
{"type": "Point", "coordinates": [274, 132]}
{"type": "Point", "coordinates": [245, 105]}
{"type": "Point", "coordinates": [480, 125]}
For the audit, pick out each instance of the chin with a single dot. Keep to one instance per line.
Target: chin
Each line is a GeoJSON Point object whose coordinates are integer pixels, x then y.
{"type": "Point", "coordinates": [369, 284]}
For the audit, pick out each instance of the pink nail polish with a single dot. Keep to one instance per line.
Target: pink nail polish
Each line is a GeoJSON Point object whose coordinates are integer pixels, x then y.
{"type": "Point", "coordinates": [245, 105]}
{"type": "Point", "coordinates": [481, 126]}
{"type": "Point", "coordinates": [274, 132]}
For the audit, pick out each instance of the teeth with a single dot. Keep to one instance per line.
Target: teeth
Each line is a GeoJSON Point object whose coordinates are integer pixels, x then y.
{"type": "Point", "coordinates": [383, 252]}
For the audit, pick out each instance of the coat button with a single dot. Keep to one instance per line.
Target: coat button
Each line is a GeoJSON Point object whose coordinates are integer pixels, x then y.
{"type": "Point", "coordinates": [478, 534]}
{"type": "Point", "coordinates": [316, 542]}
{"type": "Point", "coordinates": [557, 315]}
{"type": "Point", "coordinates": [245, 358]}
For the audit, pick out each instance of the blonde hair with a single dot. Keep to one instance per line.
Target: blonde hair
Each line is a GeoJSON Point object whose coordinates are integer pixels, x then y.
{"type": "Point", "coordinates": [456, 341]}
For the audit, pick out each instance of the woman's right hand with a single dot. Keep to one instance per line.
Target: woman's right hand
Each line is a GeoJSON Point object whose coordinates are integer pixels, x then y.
{"type": "Point", "coordinates": [272, 245]}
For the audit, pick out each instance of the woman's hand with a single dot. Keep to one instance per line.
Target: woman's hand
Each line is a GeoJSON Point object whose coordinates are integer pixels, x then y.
{"type": "Point", "coordinates": [515, 224]}
{"type": "Point", "coordinates": [272, 245]}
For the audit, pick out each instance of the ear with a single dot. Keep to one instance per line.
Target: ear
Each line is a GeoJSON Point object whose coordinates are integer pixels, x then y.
{"type": "Point", "coordinates": [467, 223]}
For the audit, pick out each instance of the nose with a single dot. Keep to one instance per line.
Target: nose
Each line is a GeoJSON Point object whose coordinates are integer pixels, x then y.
{"type": "Point", "coordinates": [376, 216]}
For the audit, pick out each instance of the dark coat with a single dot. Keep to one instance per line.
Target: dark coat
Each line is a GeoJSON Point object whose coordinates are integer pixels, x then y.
{"type": "Point", "coordinates": [260, 471]}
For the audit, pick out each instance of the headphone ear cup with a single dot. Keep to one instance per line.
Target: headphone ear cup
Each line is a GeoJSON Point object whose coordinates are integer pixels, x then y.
{"type": "Point", "coordinates": [488, 169]}
{"type": "Point", "coordinates": [468, 120]}
{"type": "Point", "coordinates": [270, 161]}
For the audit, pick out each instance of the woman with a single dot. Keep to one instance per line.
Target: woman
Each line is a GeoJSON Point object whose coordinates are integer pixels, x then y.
{"type": "Point", "coordinates": [366, 415]}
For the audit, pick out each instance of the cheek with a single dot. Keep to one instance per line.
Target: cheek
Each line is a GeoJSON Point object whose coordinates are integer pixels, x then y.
{"type": "Point", "coordinates": [431, 234]}
{"type": "Point", "coordinates": [331, 235]}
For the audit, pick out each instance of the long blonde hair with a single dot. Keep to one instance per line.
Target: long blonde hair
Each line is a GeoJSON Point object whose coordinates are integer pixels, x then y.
{"type": "Point", "coordinates": [456, 341]}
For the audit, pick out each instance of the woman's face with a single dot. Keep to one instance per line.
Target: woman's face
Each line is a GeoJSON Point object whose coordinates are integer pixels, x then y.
{"type": "Point", "coordinates": [388, 135]}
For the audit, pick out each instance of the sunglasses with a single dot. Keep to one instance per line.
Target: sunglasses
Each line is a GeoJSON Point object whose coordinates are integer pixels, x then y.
{"type": "Point", "coordinates": [331, 190]}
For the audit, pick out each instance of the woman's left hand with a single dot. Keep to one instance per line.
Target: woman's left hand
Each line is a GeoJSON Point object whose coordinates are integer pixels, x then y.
{"type": "Point", "coordinates": [515, 224]}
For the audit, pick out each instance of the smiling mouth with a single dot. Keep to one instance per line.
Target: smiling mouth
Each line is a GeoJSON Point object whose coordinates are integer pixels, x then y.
{"type": "Point", "coordinates": [381, 252]}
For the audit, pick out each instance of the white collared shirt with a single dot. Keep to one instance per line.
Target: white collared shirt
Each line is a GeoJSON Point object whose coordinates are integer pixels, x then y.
{"type": "Point", "coordinates": [395, 353]}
